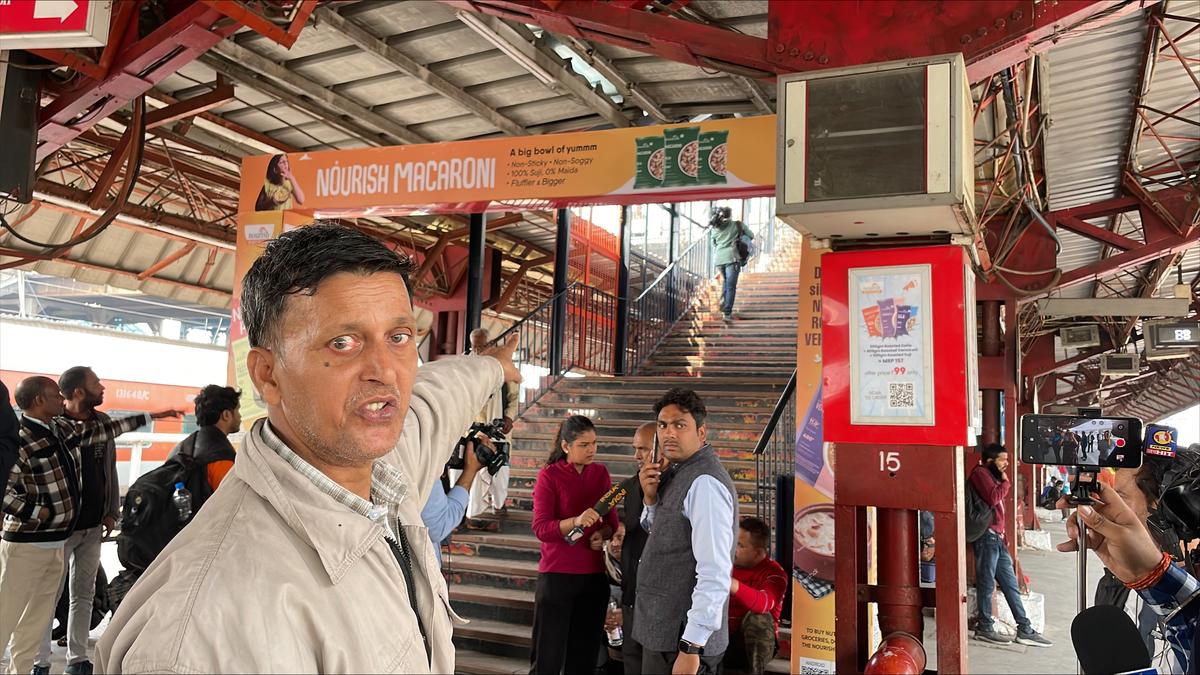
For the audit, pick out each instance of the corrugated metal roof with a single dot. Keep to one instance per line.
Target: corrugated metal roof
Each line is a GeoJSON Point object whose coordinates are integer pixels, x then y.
{"type": "Point", "coordinates": [1088, 91]}
{"type": "Point", "coordinates": [129, 249]}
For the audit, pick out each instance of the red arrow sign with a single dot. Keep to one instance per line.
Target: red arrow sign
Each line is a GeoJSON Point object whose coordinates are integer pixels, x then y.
{"type": "Point", "coordinates": [53, 23]}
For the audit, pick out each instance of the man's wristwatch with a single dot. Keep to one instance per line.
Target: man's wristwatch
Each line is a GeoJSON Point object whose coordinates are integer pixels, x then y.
{"type": "Point", "coordinates": [686, 647]}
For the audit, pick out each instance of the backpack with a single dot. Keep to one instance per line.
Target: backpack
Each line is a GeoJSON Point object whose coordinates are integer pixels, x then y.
{"type": "Point", "coordinates": [744, 245]}
{"type": "Point", "coordinates": [149, 520]}
{"type": "Point", "coordinates": [979, 515]}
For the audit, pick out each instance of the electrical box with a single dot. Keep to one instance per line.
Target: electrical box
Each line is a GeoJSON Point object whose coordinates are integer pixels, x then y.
{"type": "Point", "coordinates": [882, 150]}
{"type": "Point", "coordinates": [1079, 337]}
{"type": "Point", "coordinates": [1119, 365]}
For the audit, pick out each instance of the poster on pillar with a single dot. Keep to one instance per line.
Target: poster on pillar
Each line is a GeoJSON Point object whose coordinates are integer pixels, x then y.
{"type": "Point", "coordinates": [255, 230]}
{"type": "Point", "coordinates": [813, 610]}
{"type": "Point", "coordinates": [898, 334]}
{"type": "Point", "coordinates": [708, 160]}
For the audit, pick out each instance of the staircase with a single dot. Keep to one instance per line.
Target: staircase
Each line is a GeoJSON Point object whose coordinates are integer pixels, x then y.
{"type": "Point", "coordinates": [739, 368]}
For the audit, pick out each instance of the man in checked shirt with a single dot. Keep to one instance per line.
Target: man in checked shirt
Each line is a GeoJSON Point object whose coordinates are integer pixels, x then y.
{"type": "Point", "coordinates": [41, 505]}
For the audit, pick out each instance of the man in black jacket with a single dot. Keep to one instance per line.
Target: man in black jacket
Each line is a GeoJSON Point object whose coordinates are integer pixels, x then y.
{"type": "Point", "coordinates": [10, 438]}
{"type": "Point", "coordinates": [212, 454]}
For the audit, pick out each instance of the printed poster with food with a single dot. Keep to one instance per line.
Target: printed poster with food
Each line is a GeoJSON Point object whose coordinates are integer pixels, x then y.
{"type": "Point", "coordinates": [615, 166]}
{"type": "Point", "coordinates": [813, 532]}
{"type": "Point", "coordinates": [891, 346]}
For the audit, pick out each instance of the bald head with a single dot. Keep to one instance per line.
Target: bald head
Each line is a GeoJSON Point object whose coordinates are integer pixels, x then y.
{"type": "Point", "coordinates": [643, 442]}
{"type": "Point", "coordinates": [39, 397]}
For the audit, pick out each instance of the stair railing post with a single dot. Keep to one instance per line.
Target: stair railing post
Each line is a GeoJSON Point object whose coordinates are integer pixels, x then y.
{"type": "Point", "coordinates": [476, 247]}
{"type": "Point", "coordinates": [562, 263]}
{"type": "Point", "coordinates": [674, 230]}
{"type": "Point", "coordinates": [622, 320]}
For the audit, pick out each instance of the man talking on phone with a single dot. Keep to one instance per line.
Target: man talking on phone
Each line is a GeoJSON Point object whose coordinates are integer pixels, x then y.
{"type": "Point", "coordinates": [992, 562]}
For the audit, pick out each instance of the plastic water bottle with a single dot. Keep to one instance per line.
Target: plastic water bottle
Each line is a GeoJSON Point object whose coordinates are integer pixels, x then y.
{"type": "Point", "coordinates": [615, 636]}
{"type": "Point", "coordinates": [183, 502]}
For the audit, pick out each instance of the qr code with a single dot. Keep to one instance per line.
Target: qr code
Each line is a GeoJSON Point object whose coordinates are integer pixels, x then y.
{"type": "Point", "coordinates": [901, 395]}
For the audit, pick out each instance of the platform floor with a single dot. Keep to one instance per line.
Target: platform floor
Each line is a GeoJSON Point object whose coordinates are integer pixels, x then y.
{"type": "Point", "coordinates": [1051, 573]}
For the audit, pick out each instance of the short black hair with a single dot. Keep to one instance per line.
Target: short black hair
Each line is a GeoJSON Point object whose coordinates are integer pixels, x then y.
{"type": "Point", "coordinates": [687, 400]}
{"type": "Point", "coordinates": [30, 389]}
{"type": "Point", "coordinates": [298, 261]}
{"type": "Point", "coordinates": [73, 378]}
{"type": "Point", "coordinates": [214, 400]}
{"type": "Point", "coordinates": [760, 532]}
{"type": "Point", "coordinates": [992, 451]}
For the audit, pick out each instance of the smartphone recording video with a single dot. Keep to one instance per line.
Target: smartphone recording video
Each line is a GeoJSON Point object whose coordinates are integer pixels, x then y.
{"type": "Point", "coordinates": [1069, 440]}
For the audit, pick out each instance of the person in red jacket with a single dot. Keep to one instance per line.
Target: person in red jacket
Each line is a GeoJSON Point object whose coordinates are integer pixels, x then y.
{"type": "Point", "coordinates": [572, 589]}
{"type": "Point", "coordinates": [992, 562]}
{"type": "Point", "coordinates": [756, 599]}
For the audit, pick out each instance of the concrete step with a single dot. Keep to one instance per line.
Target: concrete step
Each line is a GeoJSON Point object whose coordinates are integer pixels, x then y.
{"type": "Point", "coordinates": [470, 662]}
{"type": "Point", "coordinates": [491, 639]}
{"type": "Point", "coordinates": [611, 425]}
{"type": "Point", "coordinates": [503, 574]}
{"type": "Point", "coordinates": [494, 546]}
{"type": "Point", "coordinates": [522, 498]}
{"type": "Point", "coordinates": [493, 604]}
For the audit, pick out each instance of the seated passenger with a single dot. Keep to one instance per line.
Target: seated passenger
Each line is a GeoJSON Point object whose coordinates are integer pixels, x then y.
{"type": "Point", "coordinates": [756, 599]}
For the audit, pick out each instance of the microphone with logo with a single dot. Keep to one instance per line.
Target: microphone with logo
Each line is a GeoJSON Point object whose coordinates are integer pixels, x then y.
{"type": "Point", "coordinates": [1107, 641]}
{"type": "Point", "coordinates": [607, 503]}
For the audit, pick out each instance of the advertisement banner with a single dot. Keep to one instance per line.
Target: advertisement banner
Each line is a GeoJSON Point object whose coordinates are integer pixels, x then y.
{"type": "Point", "coordinates": [813, 609]}
{"type": "Point", "coordinates": [707, 160]}
{"type": "Point", "coordinates": [891, 346]}
{"type": "Point", "coordinates": [254, 231]}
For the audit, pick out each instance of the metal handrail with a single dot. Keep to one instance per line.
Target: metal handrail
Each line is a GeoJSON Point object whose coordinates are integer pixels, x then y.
{"type": "Point", "coordinates": [517, 326]}
{"type": "Point", "coordinates": [780, 407]}
{"type": "Point", "coordinates": [663, 275]}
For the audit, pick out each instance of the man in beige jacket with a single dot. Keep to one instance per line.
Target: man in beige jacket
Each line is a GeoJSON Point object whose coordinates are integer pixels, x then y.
{"type": "Point", "coordinates": [311, 557]}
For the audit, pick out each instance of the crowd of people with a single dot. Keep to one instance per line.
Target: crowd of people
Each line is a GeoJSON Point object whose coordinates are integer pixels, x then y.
{"type": "Point", "coordinates": [319, 552]}
{"type": "Point", "coordinates": [323, 506]}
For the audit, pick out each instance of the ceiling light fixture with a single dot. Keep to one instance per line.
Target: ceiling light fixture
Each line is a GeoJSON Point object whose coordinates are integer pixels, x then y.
{"type": "Point", "coordinates": [512, 51]}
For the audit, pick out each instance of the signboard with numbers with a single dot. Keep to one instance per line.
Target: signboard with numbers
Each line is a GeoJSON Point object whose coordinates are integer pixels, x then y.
{"type": "Point", "coordinates": [898, 346]}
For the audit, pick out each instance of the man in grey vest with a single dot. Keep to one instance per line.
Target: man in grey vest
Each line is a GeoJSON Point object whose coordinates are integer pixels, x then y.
{"type": "Point", "coordinates": [681, 617]}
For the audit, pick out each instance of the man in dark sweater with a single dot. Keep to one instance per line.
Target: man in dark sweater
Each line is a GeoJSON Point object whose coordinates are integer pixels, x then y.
{"type": "Point", "coordinates": [684, 577]}
{"type": "Point", "coordinates": [992, 561]}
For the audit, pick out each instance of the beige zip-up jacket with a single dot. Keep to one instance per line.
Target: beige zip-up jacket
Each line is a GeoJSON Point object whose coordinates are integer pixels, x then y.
{"type": "Point", "coordinates": [274, 576]}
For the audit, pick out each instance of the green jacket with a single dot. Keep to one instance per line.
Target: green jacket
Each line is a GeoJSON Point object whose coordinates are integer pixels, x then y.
{"type": "Point", "coordinates": [723, 240]}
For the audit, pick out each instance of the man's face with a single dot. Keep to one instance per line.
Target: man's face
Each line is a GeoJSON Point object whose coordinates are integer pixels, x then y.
{"type": "Point", "coordinates": [747, 554]}
{"type": "Point", "coordinates": [643, 445]}
{"type": "Point", "coordinates": [91, 394]}
{"type": "Point", "coordinates": [1001, 461]}
{"type": "Point", "coordinates": [678, 435]}
{"type": "Point", "coordinates": [338, 380]}
{"type": "Point", "coordinates": [478, 343]}
{"type": "Point", "coordinates": [53, 402]}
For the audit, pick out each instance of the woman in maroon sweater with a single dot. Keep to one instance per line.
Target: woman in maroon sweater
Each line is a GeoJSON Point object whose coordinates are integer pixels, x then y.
{"type": "Point", "coordinates": [572, 590]}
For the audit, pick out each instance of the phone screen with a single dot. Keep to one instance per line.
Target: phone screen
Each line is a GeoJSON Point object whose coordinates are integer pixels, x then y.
{"type": "Point", "coordinates": [1070, 440]}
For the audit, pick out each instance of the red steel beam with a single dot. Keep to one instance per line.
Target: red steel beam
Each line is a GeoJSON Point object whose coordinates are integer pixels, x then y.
{"type": "Point", "coordinates": [1094, 233]}
{"type": "Point", "coordinates": [816, 34]}
{"type": "Point", "coordinates": [143, 64]}
{"type": "Point", "coordinates": [260, 24]}
{"type": "Point", "coordinates": [29, 257]}
{"type": "Point", "coordinates": [189, 107]}
{"type": "Point", "coordinates": [167, 261]}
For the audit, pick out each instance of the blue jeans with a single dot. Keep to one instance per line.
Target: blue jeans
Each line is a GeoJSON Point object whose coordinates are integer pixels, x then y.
{"type": "Point", "coordinates": [993, 564]}
{"type": "Point", "coordinates": [730, 272]}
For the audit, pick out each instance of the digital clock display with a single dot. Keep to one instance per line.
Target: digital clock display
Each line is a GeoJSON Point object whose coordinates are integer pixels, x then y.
{"type": "Point", "coordinates": [1182, 334]}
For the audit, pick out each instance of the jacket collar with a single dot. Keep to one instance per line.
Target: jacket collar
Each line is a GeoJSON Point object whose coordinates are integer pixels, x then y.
{"type": "Point", "coordinates": [338, 535]}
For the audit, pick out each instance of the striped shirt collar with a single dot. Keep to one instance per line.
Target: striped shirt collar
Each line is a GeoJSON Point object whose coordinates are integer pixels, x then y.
{"type": "Point", "coordinates": [388, 488]}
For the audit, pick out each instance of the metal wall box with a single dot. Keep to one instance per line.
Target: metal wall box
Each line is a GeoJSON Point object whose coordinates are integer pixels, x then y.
{"type": "Point", "coordinates": [879, 150]}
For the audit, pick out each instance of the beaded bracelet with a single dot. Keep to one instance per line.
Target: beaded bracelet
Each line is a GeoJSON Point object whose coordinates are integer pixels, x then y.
{"type": "Point", "coordinates": [1153, 577]}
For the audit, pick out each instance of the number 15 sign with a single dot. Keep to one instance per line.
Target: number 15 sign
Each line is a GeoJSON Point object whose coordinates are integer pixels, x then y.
{"type": "Point", "coordinates": [899, 349]}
